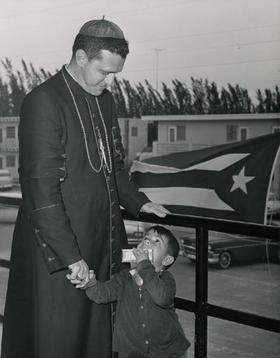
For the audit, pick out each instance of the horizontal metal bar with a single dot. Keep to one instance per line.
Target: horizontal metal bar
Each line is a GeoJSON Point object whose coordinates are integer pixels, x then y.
{"type": "Point", "coordinates": [4, 263]}
{"type": "Point", "coordinates": [258, 230]}
{"type": "Point", "coordinates": [270, 232]}
{"type": "Point", "coordinates": [227, 314]}
{"type": "Point", "coordinates": [248, 319]}
{"type": "Point", "coordinates": [185, 305]}
{"type": "Point", "coordinates": [11, 201]}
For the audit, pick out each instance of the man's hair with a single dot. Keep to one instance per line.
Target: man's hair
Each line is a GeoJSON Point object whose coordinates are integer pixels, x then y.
{"type": "Point", "coordinates": [173, 245]}
{"type": "Point", "coordinates": [93, 45]}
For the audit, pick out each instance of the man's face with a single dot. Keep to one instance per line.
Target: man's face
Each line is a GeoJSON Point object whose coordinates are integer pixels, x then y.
{"type": "Point", "coordinates": [95, 72]}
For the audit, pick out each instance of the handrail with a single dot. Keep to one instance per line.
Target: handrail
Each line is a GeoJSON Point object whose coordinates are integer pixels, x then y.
{"type": "Point", "coordinates": [200, 306]}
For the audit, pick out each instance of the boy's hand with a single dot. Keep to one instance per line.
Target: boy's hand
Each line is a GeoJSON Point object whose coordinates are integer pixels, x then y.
{"type": "Point", "coordinates": [92, 280]}
{"type": "Point", "coordinates": [140, 254]}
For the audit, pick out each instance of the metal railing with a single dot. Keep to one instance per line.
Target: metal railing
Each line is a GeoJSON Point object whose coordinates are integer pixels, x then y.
{"type": "Point", "coordinates": [200, 306]}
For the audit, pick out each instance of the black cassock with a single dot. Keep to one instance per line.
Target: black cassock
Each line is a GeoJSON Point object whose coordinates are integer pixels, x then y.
{"type": "Point", "coordinates": [70, 210]}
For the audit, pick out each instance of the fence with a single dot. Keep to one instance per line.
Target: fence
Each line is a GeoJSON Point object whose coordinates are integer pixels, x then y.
{"type": "Point", "coordinates": [200, 306]}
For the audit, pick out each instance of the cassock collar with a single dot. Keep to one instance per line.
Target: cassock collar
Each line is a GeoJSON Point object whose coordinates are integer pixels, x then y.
{"type": "Point", "coordinates": [75, 86]}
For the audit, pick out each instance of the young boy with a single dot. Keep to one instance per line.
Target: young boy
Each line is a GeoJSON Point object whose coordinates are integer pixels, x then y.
{"type": "Point", "coordinates": [146, 324]}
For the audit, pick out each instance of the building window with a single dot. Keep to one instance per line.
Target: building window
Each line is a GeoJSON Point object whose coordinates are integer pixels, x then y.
{"type": "Point", "coordinates": [10, 161]}
{"type": "Point", "coordinates": [134, 131]}
{"type": "Point", "coordinates": [231, 132]}
{"type": "Point", "coordinates": [177, 133]}
{"type": "Point", "coordinates": [1, 135]}
{"type": "Point", "coordinates": [243, 133]}
{"type": "Point", "coordinates": [275, 129]}
{"type": "Point", "coordinates": [11, 132]}
{"type": "Point", "coordinates": [1, 163]}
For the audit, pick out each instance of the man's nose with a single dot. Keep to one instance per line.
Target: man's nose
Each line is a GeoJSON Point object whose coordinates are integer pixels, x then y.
{"type": "Point", "coordinates": [109, 79]}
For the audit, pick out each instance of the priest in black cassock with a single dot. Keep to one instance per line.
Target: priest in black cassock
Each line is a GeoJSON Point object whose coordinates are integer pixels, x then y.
{"type": "Point", "coordinates": [73, 182]}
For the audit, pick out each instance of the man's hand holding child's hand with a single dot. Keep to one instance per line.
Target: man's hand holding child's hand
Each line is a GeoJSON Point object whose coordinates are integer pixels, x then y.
{"type": "Point", "coordinates": [81, 284]}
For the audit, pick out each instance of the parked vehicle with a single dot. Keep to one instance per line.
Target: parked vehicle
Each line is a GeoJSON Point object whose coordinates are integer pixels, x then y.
{"type": "Point", "coordinates": [224, 249]}
{"type": "Point", "coordinates": [273, 205]}
{"type": "Point", "coordinates": [6, 180]}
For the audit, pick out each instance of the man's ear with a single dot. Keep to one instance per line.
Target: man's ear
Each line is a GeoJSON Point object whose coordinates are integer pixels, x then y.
{"type": "Point", "coordinates": [168, 260]}
{"type": "Point", "coordinates": [81, 57]}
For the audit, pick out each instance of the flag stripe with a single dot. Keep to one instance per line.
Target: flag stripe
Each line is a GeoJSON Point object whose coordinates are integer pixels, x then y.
{"type": "Point", "coordinates": [215, 164]}
{"type": "Point", "coordinates": [196, 197]}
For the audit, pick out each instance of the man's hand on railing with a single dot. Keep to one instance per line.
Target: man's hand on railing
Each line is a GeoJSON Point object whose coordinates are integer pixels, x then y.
{"type": "Point", "coordinates": [154, 208]}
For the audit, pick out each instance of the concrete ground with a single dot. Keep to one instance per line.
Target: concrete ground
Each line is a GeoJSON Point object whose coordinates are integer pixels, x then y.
{"type": "Point", "coordinates": [253, 288]}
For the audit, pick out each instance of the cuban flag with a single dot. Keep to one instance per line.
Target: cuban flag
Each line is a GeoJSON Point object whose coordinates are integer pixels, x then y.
{"type": "Point", "coordinates": [229, 181]}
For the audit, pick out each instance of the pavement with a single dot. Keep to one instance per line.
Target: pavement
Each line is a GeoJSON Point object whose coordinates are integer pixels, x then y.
{"type": "Point", "coordinates": [252, 287]}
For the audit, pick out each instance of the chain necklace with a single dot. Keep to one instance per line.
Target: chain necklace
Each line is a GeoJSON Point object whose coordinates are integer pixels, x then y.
{"type": "Point", "coordinates": [99, 142]}
{"type": "Point", "coordinates": [109, 167]}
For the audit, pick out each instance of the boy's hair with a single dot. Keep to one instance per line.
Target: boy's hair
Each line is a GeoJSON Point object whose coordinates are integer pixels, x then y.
{"type": "Point", "coordinates": [93, 45]}
{"type": "Point", "coordinates": [173, 245]}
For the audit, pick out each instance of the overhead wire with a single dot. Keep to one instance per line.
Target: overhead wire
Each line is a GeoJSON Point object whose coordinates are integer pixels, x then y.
{"type": "Point", "coordinates": [205, 65]}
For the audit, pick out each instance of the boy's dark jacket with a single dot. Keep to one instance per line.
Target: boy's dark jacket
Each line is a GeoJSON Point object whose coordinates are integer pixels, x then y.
{"type": "Point", "coordinates": [146, 322]}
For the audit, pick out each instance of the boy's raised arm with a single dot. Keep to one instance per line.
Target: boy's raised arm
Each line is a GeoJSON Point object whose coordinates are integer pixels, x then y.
{"type": "Point", "coordinates": [162, 287]}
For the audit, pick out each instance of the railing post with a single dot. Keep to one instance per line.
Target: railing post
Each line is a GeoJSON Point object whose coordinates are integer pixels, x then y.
{"type": "Point", "coordinates": [201, 292]}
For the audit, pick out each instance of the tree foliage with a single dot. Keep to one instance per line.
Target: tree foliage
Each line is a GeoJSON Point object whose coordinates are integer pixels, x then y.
{"type": "Point", "coordinates": [200, 97]}
{"type": "Point", "coordinates": [19, 84]}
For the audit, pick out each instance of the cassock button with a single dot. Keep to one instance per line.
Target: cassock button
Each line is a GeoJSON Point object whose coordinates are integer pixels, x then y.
{"type": "Point", "coordinates": [51, 259]}
{"type": "Point", "coordinates": [147, 342]}
{"type": "Point", "coordinates": [44, 245]}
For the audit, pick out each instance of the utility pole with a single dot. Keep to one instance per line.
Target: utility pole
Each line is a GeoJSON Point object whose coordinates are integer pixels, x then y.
{"type": "Point", "coordinates": [157, 51]}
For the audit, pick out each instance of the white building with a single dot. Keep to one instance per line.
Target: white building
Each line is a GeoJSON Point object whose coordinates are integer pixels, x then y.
{"type": "Point", "coordinates": [175, 133]}
{"type": "Point", "coordinates": [179, 133]}
{"type": "Point", "coordinates": [9, 145]}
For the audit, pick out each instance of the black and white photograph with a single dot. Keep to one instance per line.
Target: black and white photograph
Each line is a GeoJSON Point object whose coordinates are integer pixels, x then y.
{"type": "Point", "coordinates": [139, 179]}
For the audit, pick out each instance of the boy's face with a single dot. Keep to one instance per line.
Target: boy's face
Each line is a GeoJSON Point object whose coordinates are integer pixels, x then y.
{"type": "Point", "coordinates": [159, 245]}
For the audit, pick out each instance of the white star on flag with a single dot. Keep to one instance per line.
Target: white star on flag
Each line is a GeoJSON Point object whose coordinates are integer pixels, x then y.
{"type": "Point", "coordinates": [240, 181]}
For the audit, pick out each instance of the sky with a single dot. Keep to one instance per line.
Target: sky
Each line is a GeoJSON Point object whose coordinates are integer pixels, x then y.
{"type": "Point", "coordinates": [225, 41]}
